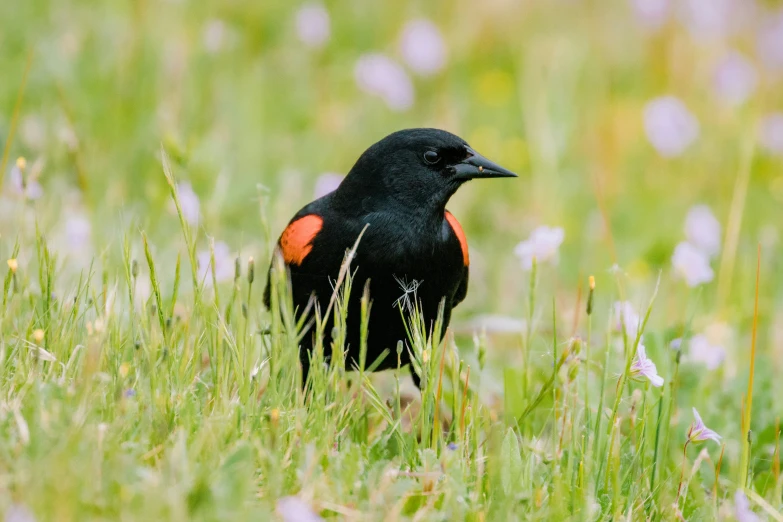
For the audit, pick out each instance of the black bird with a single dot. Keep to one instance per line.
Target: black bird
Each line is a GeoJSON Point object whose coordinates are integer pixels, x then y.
{"type": "Point", "coordinates": [399, 187]}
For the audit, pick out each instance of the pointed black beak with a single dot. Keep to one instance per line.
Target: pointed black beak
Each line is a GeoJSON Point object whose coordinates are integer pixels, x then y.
{"type": "Point", "coordinates": [476, 166]}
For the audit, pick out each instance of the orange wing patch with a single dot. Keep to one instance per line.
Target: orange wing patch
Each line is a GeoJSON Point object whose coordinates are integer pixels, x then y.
{"type": "Point", "coordinates": [463, 241]}
{"type": "Point", "coordinates": [296, 241]}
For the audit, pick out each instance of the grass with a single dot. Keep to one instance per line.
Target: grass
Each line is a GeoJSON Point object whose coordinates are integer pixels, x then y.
{"type": "Point", "coordinates": [141, 377]}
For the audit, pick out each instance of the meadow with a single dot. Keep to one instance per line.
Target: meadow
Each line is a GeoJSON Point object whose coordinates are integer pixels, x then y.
{"type": "Point", "coordinates": [617, 353]}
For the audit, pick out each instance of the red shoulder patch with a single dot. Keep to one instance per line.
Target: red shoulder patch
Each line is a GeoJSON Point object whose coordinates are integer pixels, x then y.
{"type": "Point", "coordinates": [463, 241]}
{"type": "Point", "coordinates": [296, 240]}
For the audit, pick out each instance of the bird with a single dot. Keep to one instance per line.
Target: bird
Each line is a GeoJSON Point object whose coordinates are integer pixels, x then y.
{"type": "Point", "coordinates": [395, 197]}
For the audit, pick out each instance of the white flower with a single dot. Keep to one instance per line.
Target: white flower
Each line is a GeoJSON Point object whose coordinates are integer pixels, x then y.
{"type": "Point", "coordinates": [625, 314]}
{"type": "Point", "coordinates": [294, 509]}
{"type": "Point", "coordinates": [742, 508]}
{"type": "Point", "coordinates": [770, 42]}
{"type": "Point", "coordinates": [379, 75]}
{"type": "Point", "coordinates": [771, 132]}
{"type": "Point", "coordinates": [642, 367]}
{"type": "Point", "coordinates": [692, 264]}
{"type": "Point", "coordinates": [214, 36]}
{"type": "Point", "coordinates": [422, 47]}
{"type": "Point", "coordinates": [670, 126]}
{"type": "Point", "coordinates": [188, 202]}
{"type": "Point", "coordinates": [702, 229]}
{"type": "Point", "coordinates": [313, 26]}
{"type": "Point", "coordinates": [543, 245]}
{"type": "Point", "coordinates": [703, 351]}
{"type": "Point", "coordinates": [651, 14]}
{"type": "Point", "coordinates": [326, 183]}
{"type": "Point", "coordinates": [735, 79]}
{"type": "Point", "coordinates": [224, 264]}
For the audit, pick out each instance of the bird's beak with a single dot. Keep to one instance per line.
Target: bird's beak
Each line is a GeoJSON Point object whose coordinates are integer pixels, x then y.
{"type": "Point", "coordinates": [476, 166]}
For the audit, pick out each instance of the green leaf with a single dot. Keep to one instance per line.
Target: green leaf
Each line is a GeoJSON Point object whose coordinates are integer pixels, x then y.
{"type": "Point", "coordinates": [511, 462]}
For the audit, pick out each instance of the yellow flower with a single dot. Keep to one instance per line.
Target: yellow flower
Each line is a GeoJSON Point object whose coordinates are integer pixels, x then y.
{"type": "Point", "coordinates": [21, 163]}
{"type": "Point", "coordinates": [124, 368]}
{"type": "Point", "coordinates": [13, 264]}
{"type": "Point", "coordinates": [38, 336]}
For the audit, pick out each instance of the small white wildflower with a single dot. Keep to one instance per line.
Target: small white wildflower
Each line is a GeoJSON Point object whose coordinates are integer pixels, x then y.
{"type": "Point", "coordinates": [543, 245]}
{"type": "Point", "coordinates": [692, 264]}
{"type": "Point", "coordinates": [642, 367]}
{"type": "Point", "coordinates": [313, 26]}
{"type": "Point", "coordinates": [771, 133]}
{"type": "Point", "coordinates": [422, 47]}
{"type": "Point", "coordinates": [702, 230]}
{"type": "Point", "coordinates": [326, 183]}
{"type": "Point", "coordinates": [734, 79]}
{"type": "Point", "coordinates": [670, 126]}
{"type": "Point", "coordinates": [294, 509]}
{"type": "Point", "coordinates": [379, 75]}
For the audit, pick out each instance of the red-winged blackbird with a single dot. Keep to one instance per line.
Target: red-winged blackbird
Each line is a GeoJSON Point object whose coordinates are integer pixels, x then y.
{"type": "Point", "coordinates": [399, 187]}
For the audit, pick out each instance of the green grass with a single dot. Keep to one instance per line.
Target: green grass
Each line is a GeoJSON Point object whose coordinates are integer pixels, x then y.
{"type": "Point", "coordinates": [134, 385]}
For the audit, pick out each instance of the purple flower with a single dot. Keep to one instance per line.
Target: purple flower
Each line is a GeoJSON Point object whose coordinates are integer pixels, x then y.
{"type": "Point", "coordinates": [742, 510]}
{"type": "Point", "coordinates": [294, 509]}
{"type": "Point", "coordinates": [78, 232]}
{"type": "Point", "coordinates": [188, 202]}
{"type": "Point", "coordinates": [692, 264]}
{"type": "Point", "coordinates": [326, 183]}
{"type": "Point", "coordinates": [28, 188]}
{"type": "Point", "coordinates": [651, 14]}
{"type": "Point", "coordinates": [422, 47]}
{"type": "Point", "coordinates": [769, 42]}
{"type": "Point", "coordinates": [702, 229]}
{"type": "Point", "coordinates": [670, 126]}
{"type": "Point", "coordinates": [19, 513]}
{"type": "Point", "coordinates": [714, 19]}
{"type": "Point", "coordinates": [313, 25]}
{"type": "Point", "coordinates": [734, 79]}
{"type": "Point", "coordinates": [625, 314]}
{"type": "Point", "coordinates": [453, 446]}
{"type": "Point", "coordinates": [379, 75]}
{"type": "Point", "coordinates": [698, 432]}
{"type": "Point", "coordinates": [702, 350]}
{"type": "Point", "coordinates": [644, 368]}
{"type": "Point", "coordinates": [543, 245]}
{"type": "Point", "coordinates": [129, 393]}
{"type": "Point", "coordinates": [771, 133]}
{"type": "Point", "coordinates": [224, 264]}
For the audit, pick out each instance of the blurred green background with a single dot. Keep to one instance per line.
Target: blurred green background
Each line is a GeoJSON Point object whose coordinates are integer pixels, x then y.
{"type": "Point", "coordinates": [255, 100]}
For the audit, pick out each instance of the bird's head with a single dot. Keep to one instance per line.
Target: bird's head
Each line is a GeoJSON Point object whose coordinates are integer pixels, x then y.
{"type": "Point", "coordinates": [418, 168]}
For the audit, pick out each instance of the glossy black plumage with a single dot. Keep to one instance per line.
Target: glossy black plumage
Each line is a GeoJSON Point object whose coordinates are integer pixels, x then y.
{"type": "Point", "coordinates": [400, 187]}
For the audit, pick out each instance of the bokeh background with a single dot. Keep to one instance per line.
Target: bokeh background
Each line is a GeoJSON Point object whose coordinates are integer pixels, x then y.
{"type": "Point", "coordinates": [627, 120]}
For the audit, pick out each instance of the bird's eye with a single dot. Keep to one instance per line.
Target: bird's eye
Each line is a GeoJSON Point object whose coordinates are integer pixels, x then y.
{"type": "Point", "coordinates": [431, 157]}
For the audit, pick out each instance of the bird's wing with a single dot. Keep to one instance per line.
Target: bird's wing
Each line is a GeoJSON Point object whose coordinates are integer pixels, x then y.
{"type": "Point", "coordinates": [296, 241]}
{"type": "Point", "coordinates": [462, 288]}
